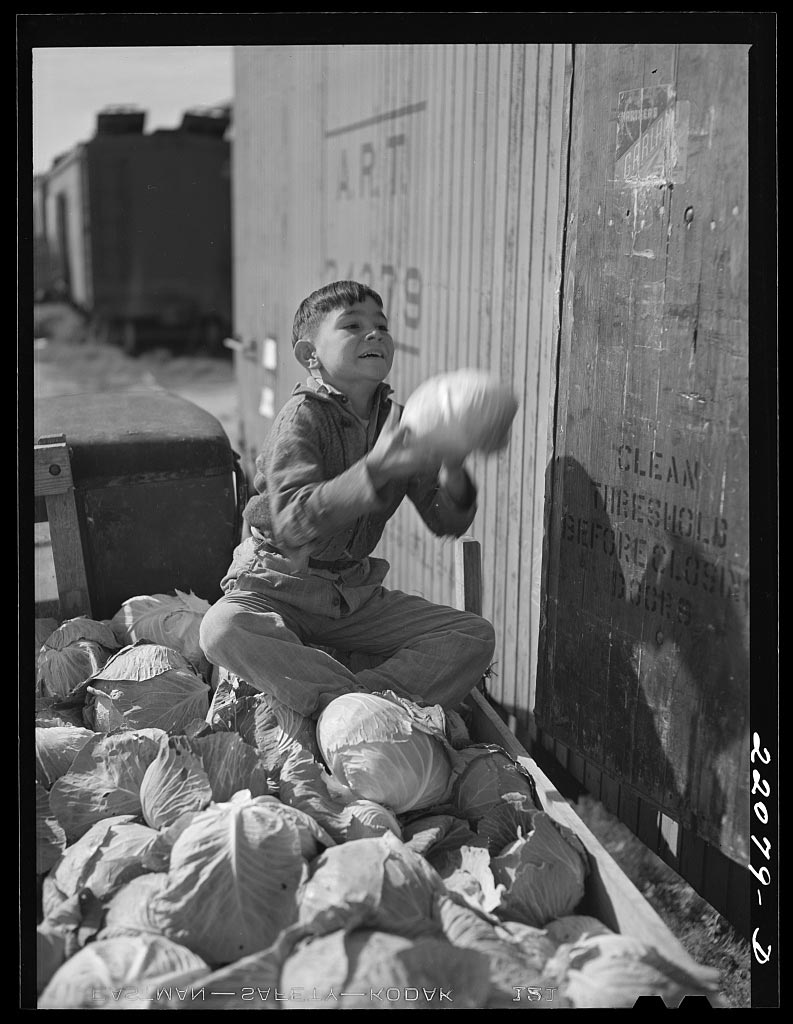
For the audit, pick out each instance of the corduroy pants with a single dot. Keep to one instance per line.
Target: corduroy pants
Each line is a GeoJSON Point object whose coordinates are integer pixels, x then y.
{"type": "Point", "coordinates": [274, 629]}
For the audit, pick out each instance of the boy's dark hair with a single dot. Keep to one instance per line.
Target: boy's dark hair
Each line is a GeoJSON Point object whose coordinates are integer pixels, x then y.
{"type": "Point", "coordinates": [315, 306]}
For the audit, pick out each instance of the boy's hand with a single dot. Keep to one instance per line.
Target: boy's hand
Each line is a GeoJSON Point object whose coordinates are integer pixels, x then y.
{"type": "Point", "coordinates": [393, 457]}
{"type": "Point", "coordinates": [454, 480]}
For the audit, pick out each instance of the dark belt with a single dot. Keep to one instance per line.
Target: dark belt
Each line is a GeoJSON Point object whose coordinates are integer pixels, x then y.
{"type": "Point", "coordinates": [316, 563]}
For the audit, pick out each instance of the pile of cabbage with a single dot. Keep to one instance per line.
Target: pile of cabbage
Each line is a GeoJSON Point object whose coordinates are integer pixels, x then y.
{"type": "Point", "coordinates": [201, 846]}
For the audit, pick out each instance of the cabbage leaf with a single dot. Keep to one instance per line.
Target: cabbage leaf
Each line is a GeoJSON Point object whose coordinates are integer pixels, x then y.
{"type": "Point", "coordinates": [108, 855]}
{"type": "Point", "coordinates": [50, 837]}
{"type": "Point", "coordinates": [56, 749]}
{"type": "Point", "coordinates": [104, 779]}
{"type": "Point", "coordinates": [543, 874]}
{"type": "Point", "coordinates": [174, 783]}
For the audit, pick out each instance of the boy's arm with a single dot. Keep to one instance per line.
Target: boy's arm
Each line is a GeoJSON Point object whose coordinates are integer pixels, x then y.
{"type": "Point", "coordinates": [306, 505]}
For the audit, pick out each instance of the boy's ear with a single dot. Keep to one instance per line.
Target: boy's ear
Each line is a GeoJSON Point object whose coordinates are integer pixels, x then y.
{"type": "Point", "coordinates": [304, 350]}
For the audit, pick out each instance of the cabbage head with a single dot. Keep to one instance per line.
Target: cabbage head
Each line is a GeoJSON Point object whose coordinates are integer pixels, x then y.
{"type": "Point", "coordinates": [613, 970]}
{"type": "Point", "coordinates": [172, 620]}
{"type": "Point", "coordinates": [378, 882]}
{"type": "Point", "coordinates": [145, 686]}
{"type": "Point", "coordinates": [368, 968]}
{"type": "Point", "coordinates": [112, 973]}
{"type": "Point", "coordinates": [108, 855]}
{"type": "Point", "coordinates": [104, 779]}
{"type": "Point", "coordinates": [543, 874]}
{"type": "Point", "coordinates": [509, 958]}
{"type": "Point", "coordinates": [71, 653]}
{"type": "Point", "coordinates": [233, 879]}
{"type": "Point", "coordinates": [484, 775]}
{"type": "Point", "coordinates": [460, 412]}
{"type": "Point", "coordinates": [377, 750]}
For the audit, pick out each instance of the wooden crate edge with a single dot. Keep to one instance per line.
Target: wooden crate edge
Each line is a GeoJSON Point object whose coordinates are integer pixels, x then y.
{"type": "Point", "coordinates": [616, 900]}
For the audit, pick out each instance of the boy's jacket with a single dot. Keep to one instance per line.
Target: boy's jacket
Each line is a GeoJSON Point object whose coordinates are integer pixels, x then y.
{"type": "Point", "coordinates": [316, 499]}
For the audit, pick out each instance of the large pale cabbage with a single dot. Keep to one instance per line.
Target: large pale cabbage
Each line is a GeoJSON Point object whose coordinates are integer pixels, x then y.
{"type": "Point", "coordinates": [113, 973]}
{"type": "Point", "coordinates": [543, 874]}
{"type": "Point", "coordinates": [484, 775]}
{"type": "Point", "coordinates": [144, 686]}
{"type": "Point", "coordinates": [377, 882]}
{"type": "Point", "coordinates": [174, 784]}
{"type": "Point", "coordinates": [108, 855]}
{"type": "Point", "coordinates": [56, 749]}
{"type": "Point", "coordinates": [370, 969]}
{"type": "Point", "coordinates": [302, 784]}
{"type": "Point", "coordinates": [460, 412]}
{"type": "Point", "coordinates": [172, 620]}
{"type": "Point", "coordinates": [613, 970]}
{"type": "Point", "coordinates": [233, 879]}
{"type": "Point", "coordinates": [71, 653]}
{"type": "Point", "coordinates": [377, 750]}
{"type": "Point", "coordinates": [104, 779]}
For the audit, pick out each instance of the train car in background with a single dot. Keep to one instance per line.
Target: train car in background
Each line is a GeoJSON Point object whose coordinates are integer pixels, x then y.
{"type": "Point", "coordinates": [575, 219]}
{"type": "Point", "coordinates": [135, 229]}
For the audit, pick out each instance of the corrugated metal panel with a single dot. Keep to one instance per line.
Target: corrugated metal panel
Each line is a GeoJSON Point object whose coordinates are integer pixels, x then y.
{"type": "Point", "coordinates": [433, 173]}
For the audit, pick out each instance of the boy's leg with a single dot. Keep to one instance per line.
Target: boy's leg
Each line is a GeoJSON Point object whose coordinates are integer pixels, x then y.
{"type": "Point", "coordinates": [432, 652]}
{"type": "Point", "coordinates": [263, 641]}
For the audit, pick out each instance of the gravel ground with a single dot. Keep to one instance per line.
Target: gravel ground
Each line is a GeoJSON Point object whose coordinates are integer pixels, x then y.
{"type": "Point", "coordinates": [66, 363]}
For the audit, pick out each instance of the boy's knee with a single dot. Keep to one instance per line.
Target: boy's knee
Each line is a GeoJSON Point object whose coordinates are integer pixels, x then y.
{"type": "Point", "coordinates": [483, 630]}
{"type": "Point", "coordinates": [216, 627]}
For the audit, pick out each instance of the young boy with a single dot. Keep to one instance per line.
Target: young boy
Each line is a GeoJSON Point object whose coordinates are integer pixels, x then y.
{"type": "Point", "coordinates": [334, 468]}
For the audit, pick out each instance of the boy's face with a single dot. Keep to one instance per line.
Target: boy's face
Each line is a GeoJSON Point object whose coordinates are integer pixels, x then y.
{"type": "Point", "coordinates": [353, 345]}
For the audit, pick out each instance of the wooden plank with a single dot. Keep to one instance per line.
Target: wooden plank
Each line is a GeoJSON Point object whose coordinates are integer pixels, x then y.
{"type": "Point", "coordinates": [67, 555]}
{"type": "Point", "coordinates": [468, 575]}
{"type": "Point", "coordinates": [644, 659]}
{"type": "Point", "coordinates": [610, 793]}
{"type": "Point", "coordinates": [52, 470]}
{"type": "Point", "coordinates": [54, 483]}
